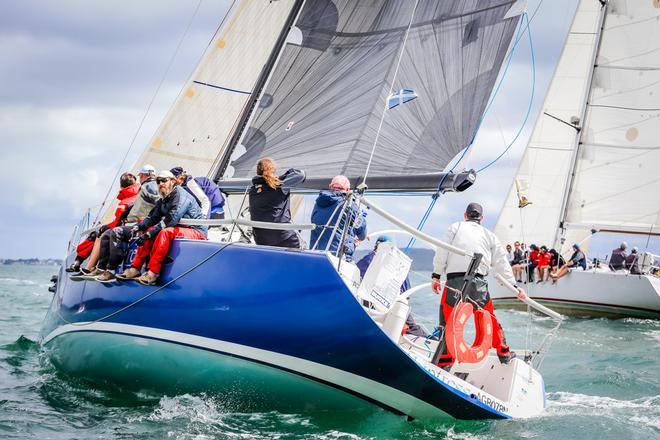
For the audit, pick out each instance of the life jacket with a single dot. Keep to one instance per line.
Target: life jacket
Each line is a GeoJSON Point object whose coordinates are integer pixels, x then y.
{"type": "Point", "coordinates": [126, 197]}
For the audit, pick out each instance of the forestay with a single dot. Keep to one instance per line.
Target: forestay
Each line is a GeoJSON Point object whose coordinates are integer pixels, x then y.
{"type": "Point", "coordinates": [322, 105]}
{"type": "Point", "coordinates": [203, 118]}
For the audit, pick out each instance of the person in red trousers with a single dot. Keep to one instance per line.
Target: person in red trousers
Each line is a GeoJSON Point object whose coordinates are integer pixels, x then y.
{"type": "Point", "coordinates": [161, 226]}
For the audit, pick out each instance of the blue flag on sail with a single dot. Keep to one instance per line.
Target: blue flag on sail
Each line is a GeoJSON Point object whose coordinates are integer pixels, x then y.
{"type": "Point", "coordinates": [400, 97]}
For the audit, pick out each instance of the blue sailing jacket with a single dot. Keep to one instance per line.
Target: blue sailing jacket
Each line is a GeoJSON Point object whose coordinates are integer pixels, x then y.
{"type": "Point", "coordinates": [325, 205]}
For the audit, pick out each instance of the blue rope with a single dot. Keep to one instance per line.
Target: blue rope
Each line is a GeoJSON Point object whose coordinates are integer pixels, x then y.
{"type": "Point", "coordinates": [436, 195]}
{"type": "Point", "coordinates": [529, 106]}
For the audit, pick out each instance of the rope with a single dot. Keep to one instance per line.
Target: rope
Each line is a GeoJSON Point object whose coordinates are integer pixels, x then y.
{"type": "Point", "coordinates": [529, 105]}
{"type": "Point", "coordinates": [396, 71]}
{"type": "Point", "coordinates": [144, 116]}
{"type": "Point", "coordinates": [150, 294]}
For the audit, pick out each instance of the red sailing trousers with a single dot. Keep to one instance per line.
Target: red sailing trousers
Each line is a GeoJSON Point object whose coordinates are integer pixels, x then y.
{"type": "Point", "coordinates": [84, 249]}
{"type": "Point", "coordinates": [499, 342]}
{"type": "Point", "coordinates": [159, 247]}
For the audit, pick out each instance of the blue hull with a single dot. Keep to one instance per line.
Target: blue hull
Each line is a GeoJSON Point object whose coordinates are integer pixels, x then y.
{"type": "Point", "coordinates": [244, 306]}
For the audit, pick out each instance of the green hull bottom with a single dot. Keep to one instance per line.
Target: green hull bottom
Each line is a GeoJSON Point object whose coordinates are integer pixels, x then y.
{"type": "Point", "coordinates": [145, 364]}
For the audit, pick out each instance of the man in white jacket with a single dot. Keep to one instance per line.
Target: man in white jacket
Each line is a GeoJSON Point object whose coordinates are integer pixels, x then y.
{"type": "Point", "coordinates": [473, 238]}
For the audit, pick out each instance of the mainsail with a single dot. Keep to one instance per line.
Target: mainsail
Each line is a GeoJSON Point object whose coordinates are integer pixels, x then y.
{"type": "Point", "coordinates": [592, 159]}
{"type": "Point", "coordinates": [323, 102]}
{"type": "Point", "coordinates": [616, 184]}
{"type": "Point", "coordinates": [203, 118]}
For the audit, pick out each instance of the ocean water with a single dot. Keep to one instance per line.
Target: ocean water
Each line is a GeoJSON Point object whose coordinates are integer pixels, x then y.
{"type": "Point", "coordinates": [602, 378]}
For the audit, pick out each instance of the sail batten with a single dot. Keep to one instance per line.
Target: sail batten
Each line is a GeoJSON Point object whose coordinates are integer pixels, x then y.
{"type": "Point", "coordinates": [324, 100]}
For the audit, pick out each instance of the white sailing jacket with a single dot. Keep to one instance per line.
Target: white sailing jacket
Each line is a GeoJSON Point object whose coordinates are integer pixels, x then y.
{"type": "Point", "coordinates": [473, 238]}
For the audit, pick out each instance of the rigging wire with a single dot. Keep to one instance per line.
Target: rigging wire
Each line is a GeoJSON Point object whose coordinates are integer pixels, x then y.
{"type": "Point", "coordinates": [144, 116]}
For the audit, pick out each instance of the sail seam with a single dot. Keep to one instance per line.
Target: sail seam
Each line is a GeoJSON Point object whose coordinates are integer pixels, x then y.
{"type": "Point", "coordinates": [222, 88]}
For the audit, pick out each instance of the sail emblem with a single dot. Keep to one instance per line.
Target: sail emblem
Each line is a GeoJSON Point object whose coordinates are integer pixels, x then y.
{"type": "Point", "coordinates": [400, 97]}
{"type": "Point", "coordinates": [289, 126]}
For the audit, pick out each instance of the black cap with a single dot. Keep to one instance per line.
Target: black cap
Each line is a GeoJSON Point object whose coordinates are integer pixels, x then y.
{"type": "Point", "coordinates": [177, 171]}
{"type": "Point", "coordinates": [474, 210]}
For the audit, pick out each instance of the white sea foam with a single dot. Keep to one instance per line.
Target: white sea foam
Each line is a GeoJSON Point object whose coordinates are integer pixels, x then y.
{"type": "Point", "coordinates": [18, 282]}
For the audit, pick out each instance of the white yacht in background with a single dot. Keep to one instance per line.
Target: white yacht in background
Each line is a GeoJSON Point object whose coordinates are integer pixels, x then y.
{"type": "Point", "coordinates": [591, 166]}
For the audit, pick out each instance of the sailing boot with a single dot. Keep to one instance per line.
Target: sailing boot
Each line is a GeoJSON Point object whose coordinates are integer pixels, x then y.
{"type": "Point", "coordinates": [75, 267]}
{"type": "Point", "coordinates": [106, 277]}
{"type": "Point", "coordinates": [129, 274]}
{"type": "Point", "coordinates": [505, 355]}
{"type": "Point", "coordinates": [148, 278]}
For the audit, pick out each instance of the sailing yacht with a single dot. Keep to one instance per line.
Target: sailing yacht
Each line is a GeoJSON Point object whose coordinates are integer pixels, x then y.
{"type": "Point", "coordinates": [591, 165]}
{"type": "Point", "coordinates": [307, 83]}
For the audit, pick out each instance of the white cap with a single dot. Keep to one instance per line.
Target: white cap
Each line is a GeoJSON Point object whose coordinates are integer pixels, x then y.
{"type": "Point", "coordinates": [147, 169]}
{"type": "Point", "coordinates": [165, 174]}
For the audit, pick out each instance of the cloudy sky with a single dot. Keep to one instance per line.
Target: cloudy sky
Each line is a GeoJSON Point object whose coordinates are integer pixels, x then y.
{"type": "Point", "coordinates": [77, 77]}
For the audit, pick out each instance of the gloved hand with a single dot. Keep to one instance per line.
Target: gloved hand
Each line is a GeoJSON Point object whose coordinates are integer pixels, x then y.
{"type": "Point", "coordinates": [141, 239]}
{"type": "Point", "coordinates": [435, 283]}
{"type": "Point", "coordinates": [135, 229]}
{"type": "Point", "coordinates": [144, 237]}
{"type": "Point", "coordinates": [103, 228]}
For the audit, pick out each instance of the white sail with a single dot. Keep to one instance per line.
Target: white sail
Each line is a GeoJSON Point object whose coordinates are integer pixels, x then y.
{"type": "Point", "coordinates": [201, 121]}
{"type": "Point", "coordinates": [617, 185]}
{"type": "Point", "coordinates": [543, 172]}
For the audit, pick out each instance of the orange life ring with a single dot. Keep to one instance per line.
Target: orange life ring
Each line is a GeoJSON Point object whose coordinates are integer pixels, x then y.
{"type": "Point", "coordinates": [454, 334]}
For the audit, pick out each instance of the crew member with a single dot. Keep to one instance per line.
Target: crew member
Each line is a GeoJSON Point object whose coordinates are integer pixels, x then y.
{"type": "Point", "coordinates": [161, 226]}
{"type": "Point", "coordinates": [114, 244]}
{"type": "Point", "coordinates": [270, 202]}
{"type": "Point", "coordinates": [577, 261]}
{"type": "Point", "coordinates": [204, 190]}
{"type": "Point", "coordinates": [632, 262]}
{"type": "Point", "coordinates": [129, 188]}
{"type": "Point", "coordinates": [329, 209]}
{"type": "Point", "coordinates": [473, 238]}
{"type": "Point", "coordinates": [618, 258]}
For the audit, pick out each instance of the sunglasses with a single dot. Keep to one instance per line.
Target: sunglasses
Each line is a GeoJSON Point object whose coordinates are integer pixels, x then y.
{"type": "Point", "coordinates": [162, 180]}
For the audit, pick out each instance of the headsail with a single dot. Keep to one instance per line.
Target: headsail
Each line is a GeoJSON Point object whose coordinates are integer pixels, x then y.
{"type": "Point", "coordinates": [201, 121]}
{"type": "Point", "coordinates": [546, 163]}
{"type": "Point", "coordinates": [322, 105]}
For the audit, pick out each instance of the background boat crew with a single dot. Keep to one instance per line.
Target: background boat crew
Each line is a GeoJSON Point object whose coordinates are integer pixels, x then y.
{"type": "Point", "coordinates": [632, 262]}
{"type": "Point", "coordinates": [542, 264]}
{"type": "Point", "coordinates": [517, 265]}
{"type": "Point", "coordinates": [269, 202]}
{"type": "Point", "coordinates": [618, 257]}
{"type": "Point", "coordinates": [556, 260]}
{"type": "Point", "coordinates": [532, 262]}
{"type": "Point", "coordinates": [411, 326]}
{"type": "Point", "coordinates": [161, 226]}
{"type": "Point", "coordinates": [329, 209]}
{"type": "Point", "coordinates": [203, 189]}
{"type": "Point", "coordinates": [114, 243]}
{"type": "Point", "coordinates": [472, 237]}
{"type": "Point", "coordinates": [128, 191]}
{"type": "Point", "coordinates": [509, 254]}
{"type": "Point", "coordinates": [577, 261]}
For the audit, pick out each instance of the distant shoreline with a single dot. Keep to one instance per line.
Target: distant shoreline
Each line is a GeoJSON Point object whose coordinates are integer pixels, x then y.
{"type": "Point", "coordinates": [31, 261]}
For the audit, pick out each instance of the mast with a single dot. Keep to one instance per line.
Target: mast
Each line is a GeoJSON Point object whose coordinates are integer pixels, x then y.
{"type": "Point", "coordinates": [583, 112]}
{"type": "Point", "coordinates": [261, 83]}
